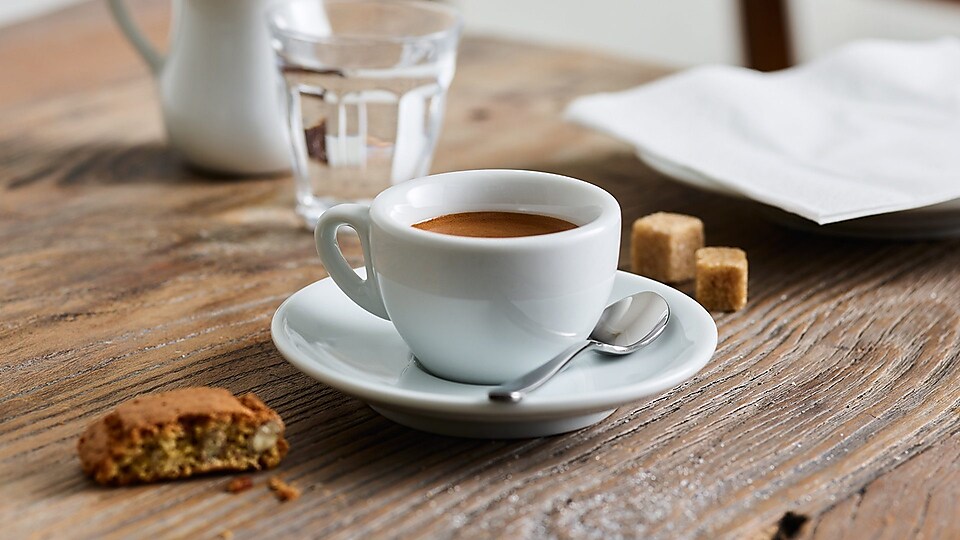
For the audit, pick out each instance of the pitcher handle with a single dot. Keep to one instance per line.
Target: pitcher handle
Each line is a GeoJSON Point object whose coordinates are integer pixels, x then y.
{"type": "Point", "coordinates": [153, 58]}
{"type": "Point", "coordinates": [365, 292]}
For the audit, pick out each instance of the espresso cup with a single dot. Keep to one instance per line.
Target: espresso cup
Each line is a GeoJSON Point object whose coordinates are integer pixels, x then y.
{"type": "Point", "coordinates": [480, 310]}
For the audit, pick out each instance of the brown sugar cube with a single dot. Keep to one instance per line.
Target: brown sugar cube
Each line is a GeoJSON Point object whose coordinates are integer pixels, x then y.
{"type": "Point", "coordinates": [180, 433]}
{"type": "Point", "coordinates": [721, 278]}
{"type": "Point", "coordinates": [663, 246]}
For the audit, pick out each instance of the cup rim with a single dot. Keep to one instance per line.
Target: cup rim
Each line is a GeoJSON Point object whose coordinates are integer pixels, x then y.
{"type": "Point", "coordinates": [609, 215]}
{"type": "Point", "coordinates": [348, 39]}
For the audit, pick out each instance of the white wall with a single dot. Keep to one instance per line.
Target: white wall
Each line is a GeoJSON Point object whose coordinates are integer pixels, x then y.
{"type": "Point", "coordinates": [684, 32]}
{"type": "Point", "coordinates": [12, 11]}
{"type": "Point", "coordinates": [821, 25]}
{"type": "Point", "coordinates": [680, 32]}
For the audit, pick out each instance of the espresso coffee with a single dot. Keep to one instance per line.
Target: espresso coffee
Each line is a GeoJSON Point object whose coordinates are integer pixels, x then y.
{"type": "Point", "coordinates": [494, 224]}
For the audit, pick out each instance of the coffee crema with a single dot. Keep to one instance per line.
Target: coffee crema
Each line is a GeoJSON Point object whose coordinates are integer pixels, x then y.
{"type": "Point", "coordinates": [494, 224]}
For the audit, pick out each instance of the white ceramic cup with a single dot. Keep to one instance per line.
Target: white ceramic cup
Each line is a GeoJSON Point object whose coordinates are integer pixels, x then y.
{"type": "Point", "coordinates": [480, 310]}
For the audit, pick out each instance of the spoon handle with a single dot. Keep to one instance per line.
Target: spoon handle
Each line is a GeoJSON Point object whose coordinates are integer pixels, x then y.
{"type": "Point", "coordinates": [514, 390]}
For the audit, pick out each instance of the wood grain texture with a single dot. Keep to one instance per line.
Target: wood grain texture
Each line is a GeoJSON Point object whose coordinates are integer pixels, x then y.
{"type": "Point", "coordinates": [835, 395]}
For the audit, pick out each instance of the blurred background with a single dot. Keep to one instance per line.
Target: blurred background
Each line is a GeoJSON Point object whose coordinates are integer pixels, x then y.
{"type": "Point", "coordinates": [766, 34]}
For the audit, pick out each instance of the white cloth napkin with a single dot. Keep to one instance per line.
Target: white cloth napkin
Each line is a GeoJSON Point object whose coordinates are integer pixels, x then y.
{"type": "Point", "coordinates": [871, 128]}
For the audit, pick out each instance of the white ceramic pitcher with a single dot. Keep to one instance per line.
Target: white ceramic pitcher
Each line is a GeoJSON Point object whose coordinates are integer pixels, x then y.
{"type": "Point", "coordinates": [218, 85]}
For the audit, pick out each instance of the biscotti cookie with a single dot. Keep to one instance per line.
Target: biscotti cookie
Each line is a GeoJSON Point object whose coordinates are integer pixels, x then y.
{"type": "Point", "coordinates": [181, 433]}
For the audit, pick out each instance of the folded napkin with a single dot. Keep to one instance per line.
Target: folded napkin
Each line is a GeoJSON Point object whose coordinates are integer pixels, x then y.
{"type": "Point", "coordinates": [871, 128]}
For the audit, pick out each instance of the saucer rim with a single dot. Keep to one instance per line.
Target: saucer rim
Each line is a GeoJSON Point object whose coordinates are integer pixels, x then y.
{"type": "Point", "coordinates": [478, 406]}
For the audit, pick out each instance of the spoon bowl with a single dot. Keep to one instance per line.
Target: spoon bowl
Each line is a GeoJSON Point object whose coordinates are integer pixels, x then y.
{"type": "Point", "coordinates": [624, 327]}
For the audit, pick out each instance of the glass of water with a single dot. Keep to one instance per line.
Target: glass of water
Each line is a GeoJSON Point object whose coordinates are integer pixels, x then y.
{"type": "Point", "coordinates": [365, 84]}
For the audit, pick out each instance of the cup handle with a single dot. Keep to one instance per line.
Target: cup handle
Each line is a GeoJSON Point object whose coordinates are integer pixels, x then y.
{"type": "Point", "coordinates": [138, 40]}
{"type": "Point", "coordinates": [365, 292]}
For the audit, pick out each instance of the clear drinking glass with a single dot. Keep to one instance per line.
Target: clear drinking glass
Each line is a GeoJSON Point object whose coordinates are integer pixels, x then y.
{"type": "Point", "coordinates": [365, 83]}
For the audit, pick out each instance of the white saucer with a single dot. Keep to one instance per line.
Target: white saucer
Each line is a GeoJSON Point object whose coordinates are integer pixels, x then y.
{"type": "Point", "coordinates": [935, 221]}
{"type": "Point", "coordinates": [328, 337]}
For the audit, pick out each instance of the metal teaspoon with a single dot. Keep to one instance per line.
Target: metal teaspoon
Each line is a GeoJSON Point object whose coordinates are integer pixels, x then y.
{"type": "Point", "coordinates": [624, 327]}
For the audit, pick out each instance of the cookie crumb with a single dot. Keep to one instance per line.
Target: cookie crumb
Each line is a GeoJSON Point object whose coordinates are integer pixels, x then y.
{"type": "Point", "coordinates": [240, 484]}
{"type": "Point", "coordinates": [227, 534]}
{"type": "Point", "coordinates": [284, 491]}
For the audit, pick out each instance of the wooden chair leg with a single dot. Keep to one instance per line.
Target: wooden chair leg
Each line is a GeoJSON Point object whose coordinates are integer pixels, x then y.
{"type": "Point", "coordinates": [766, 34]}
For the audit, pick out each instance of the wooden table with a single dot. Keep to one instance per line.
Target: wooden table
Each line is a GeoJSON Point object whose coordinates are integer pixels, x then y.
{"type": "Point", "coordinates": [831, 407]}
